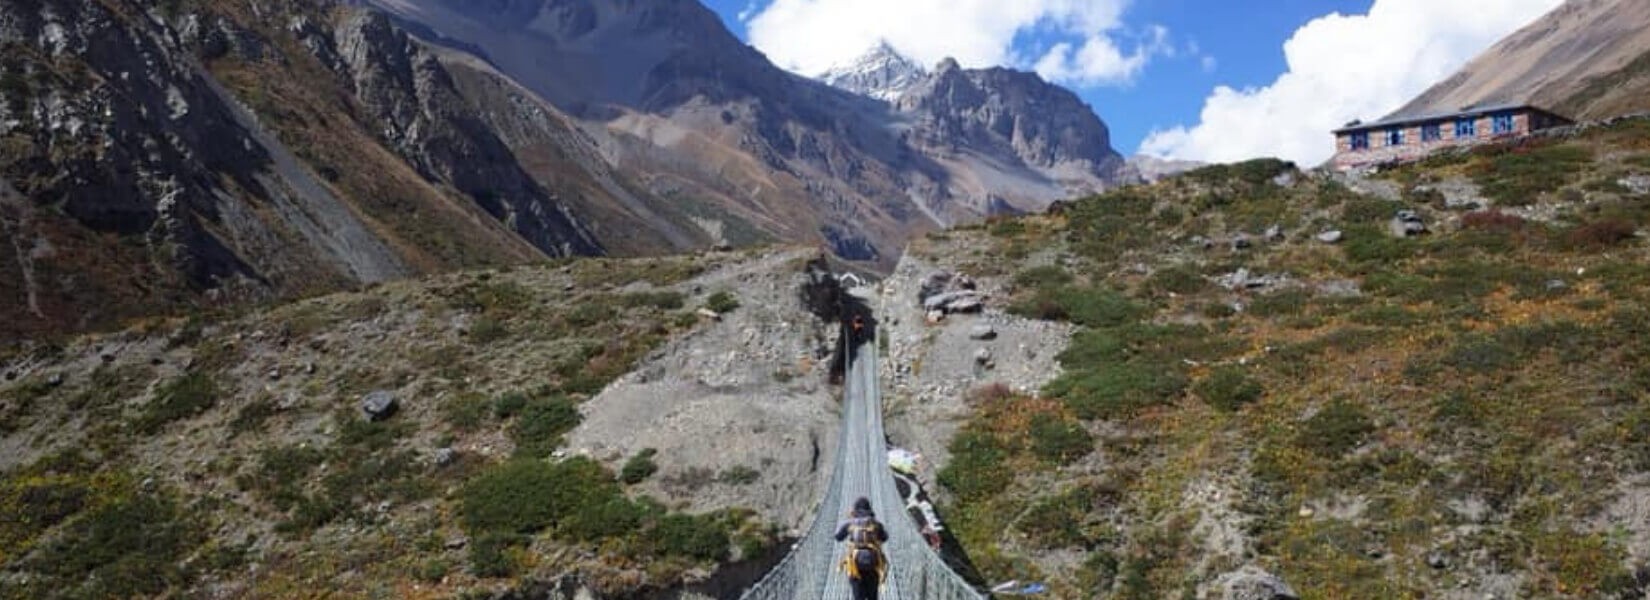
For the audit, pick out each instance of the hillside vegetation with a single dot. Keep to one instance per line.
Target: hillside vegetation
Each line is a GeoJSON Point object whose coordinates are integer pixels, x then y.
{"type": "Point", "coordinates": [1460, 413]}
{"type": "Point", "coordinates": [231, 456]}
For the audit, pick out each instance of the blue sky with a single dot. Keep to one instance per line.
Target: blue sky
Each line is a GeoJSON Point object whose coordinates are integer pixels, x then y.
{"type": "Point", "coordinates": [1212, 80]}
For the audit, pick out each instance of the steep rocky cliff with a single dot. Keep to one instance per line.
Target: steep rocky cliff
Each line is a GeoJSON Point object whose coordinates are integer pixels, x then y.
{"type": "Point", "coordinates": [190, 154]}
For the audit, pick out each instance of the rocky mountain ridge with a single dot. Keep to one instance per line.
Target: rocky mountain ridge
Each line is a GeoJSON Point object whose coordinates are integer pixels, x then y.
{"type": "Point", "coordinates": [1587, 60]}
{"type": "Point", "coordinates": [882, 73]}
{"type": "Point", "coordinates": [653, 82]}
{"type": "Point", "coordinates": [165, 158]}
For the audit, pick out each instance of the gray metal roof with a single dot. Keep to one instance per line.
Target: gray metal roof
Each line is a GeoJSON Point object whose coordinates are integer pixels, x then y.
{"type": "Point", "coordinates": [1470, 111]}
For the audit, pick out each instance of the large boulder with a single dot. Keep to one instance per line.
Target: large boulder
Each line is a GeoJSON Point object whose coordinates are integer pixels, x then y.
{"type": "Point", "coordinates": [1254, 583]}
{"type": "Point", "coordinates": [378, 405]}
{"type": "Point", "coordinates": [1408, 223]}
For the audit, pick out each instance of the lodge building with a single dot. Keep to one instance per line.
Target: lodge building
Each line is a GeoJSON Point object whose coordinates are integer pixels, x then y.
{"type": "Point", "coordinates": [1401, 138]}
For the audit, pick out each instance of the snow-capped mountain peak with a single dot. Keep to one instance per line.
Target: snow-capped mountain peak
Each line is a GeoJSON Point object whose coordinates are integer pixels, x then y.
{"type": "Point", "coordinates": [881, 73]}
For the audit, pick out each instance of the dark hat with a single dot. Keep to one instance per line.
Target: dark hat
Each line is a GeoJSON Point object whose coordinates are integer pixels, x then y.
{"type": "Point", "coordinates": [863, 504]}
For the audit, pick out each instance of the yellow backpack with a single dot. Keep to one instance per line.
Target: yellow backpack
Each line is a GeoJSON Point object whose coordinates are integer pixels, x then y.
{"type": "Point", "coordinates": [862, 535]}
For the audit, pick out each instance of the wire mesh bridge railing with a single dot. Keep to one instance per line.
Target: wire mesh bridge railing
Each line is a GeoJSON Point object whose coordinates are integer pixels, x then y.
{"type": "Point", "coordinates": [861, 469]}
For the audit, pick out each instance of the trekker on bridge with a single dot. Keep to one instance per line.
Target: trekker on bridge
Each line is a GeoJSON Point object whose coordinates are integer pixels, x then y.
{"type": "Point", "coordinates": [865, 562]}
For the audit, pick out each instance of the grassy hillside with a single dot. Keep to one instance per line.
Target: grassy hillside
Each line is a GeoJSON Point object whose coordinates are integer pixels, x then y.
{"type": "Point", "coordinates": [1383, 417]}
{"type": "Point", "coordinates": [188, 458]}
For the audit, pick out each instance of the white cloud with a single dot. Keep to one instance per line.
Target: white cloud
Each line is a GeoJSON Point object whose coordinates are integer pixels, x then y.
{"type": "Point", "coordinates": [1342, 68]}
{"type": "Point", "coordinates": [1099, 61]}
{"type": "Point", "coordinates": [810, 36]}
{"type": "Point", "coordinates": [1209, 63]}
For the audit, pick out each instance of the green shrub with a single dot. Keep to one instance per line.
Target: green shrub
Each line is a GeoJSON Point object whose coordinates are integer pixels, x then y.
{"type": "Point", "coordinates": [1044, 277]}
{"type": "Point", "coordinates": [1058, 441]}
{"type": "Point", "coordinates": [1336, 429]}
{"type": "Point", "coordinates": [181, 398]}
{"type": "Point", "coordinates": [696, 537]}
{"type": "Point", "coordinates": [528, 495]}
{"type": "Point", "coordinates": [1007, 228]}
{"type": "Point", "coordinates": [1178, 279]}
{"type": "Point", "coordinates": [1087, 306]}
{"type": "Point", "coordinates": [722, 302]}
{"type": "Point", "coordinates": [490, 554]}
{"type": "Point", "coordinates": [1117, 391]}
{"type": "Point", "coordinates": [600, 519]}
{"type": "Point", "coordinates": [499, 299]}
{"type": "Point", "coordinates": [1518, 175]}
{"type": "Point", "coordinates": [1253, 173]}
{"type": "Point", "coordinates": [486, 330]}
{"type": "Point", "coordinates": [509, 405]}
{"type": "Point", "coordinates": [1366, 210]}
{"type": "Point", "coordinates": [590, 314]}
{"type": "Point", "coordinates": [135, 545]}
{"type": "Point", "coordinates": [639, 467]}
{"type": "Point", "coordinates": [465, 411]}
{"type": "Point", "coordinates": [1056, 521]}
{"type": "Point", "coordinates": [1369, 245]}
{"type": "Point", "coordinates": [1229, 388]}
{"type": "Point", "coordinates": [539, 429]}
{"type": "Point", "coordinates": [739, 475]}
{"type": "Point", "coordinates": [665, 300]}
{"type": "Point", "coordinates": [252, 415]}
{"type": "Point", "coordinates": [1280, 304]}
{"type": "Point", "coordinates": [36, 505]}
{"type": "Point", "coordinates": [978, 466]}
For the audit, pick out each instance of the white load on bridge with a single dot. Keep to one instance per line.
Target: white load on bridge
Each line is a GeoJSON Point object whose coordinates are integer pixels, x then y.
{"type": "Point", "coordinates": [861, 469]}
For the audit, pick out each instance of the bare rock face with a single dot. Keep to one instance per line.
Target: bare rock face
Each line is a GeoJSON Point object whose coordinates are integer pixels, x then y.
{"type": "Point", "coordinates": [428, 123]}
{"type": "Point", "coordinates": [1015, 115]}
{"type": "Point", "coordinates": [115, 125]}
{"type": "Point", "coordinates": [883, 73]}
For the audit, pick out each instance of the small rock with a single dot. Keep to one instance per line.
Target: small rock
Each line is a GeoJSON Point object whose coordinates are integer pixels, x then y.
{"type": "Point", "coordinates": [982, 333]}
{"type": "Point", "coordinates": [1557, 285]}
{"type": "Point", "coordinates": [965, 305]}
{"type": "Point", "coordinates": [1284, 179]}
{"type": "Point", "coordinates": [445, 457]}
{"type": "Point", "coordinates": [935, 316]}
{"type": "Point", "coordinates": [1241, 242]}
{"type": "Point", "coordinates": [1637, 184]}
{"type": "Point", "coordinates": [1254, 583]}
{"type": "Point", "coordinates": [1333, 236]}
{"type": "Point", "coordinates": [982, 356]}
{"type": "Point", "coordinates": [274, 375]}
{"type": "Point", "coordinates": [378, 405]}
{"type": "Point", "coordinates": [56, 380]}
{"type": "Point", "coordinates": [1202, 242]}
{"type": "Point", "coordinates": [706, 313]}
{"type": "Point", "coordinates": [1437, 560]}
{"type": "Point", "coordinates": [1274, 233]}
{"type": "Point", "coordinates": [457, 543]}
{"type": "Point", "coordinates": [309, 368]}
{"type": "Point", "coordinates": [1407, 224]}
{"type": "Point", "coordinates": [1306, 512]}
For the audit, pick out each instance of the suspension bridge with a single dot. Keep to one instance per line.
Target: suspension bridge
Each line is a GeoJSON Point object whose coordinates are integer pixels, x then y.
{"type": "Point", "coordinates": [861, 469]}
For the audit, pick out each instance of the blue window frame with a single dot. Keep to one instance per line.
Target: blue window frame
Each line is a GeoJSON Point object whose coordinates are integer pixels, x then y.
{"type": "Point", "coordinates": [1395, 136]}
{"type": "Point", "coordinates": [1360, 140]}
{"type": "Point", "coordinates": [1504, 123]}
{"type": "Point", "coordinates": [1432, 133]}
{"type": "Point", "coordinates": [1466, 128]}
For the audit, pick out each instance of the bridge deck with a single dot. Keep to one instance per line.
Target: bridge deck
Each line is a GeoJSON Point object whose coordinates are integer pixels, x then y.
{"type": "Point", "coordinates": [861, 469]}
